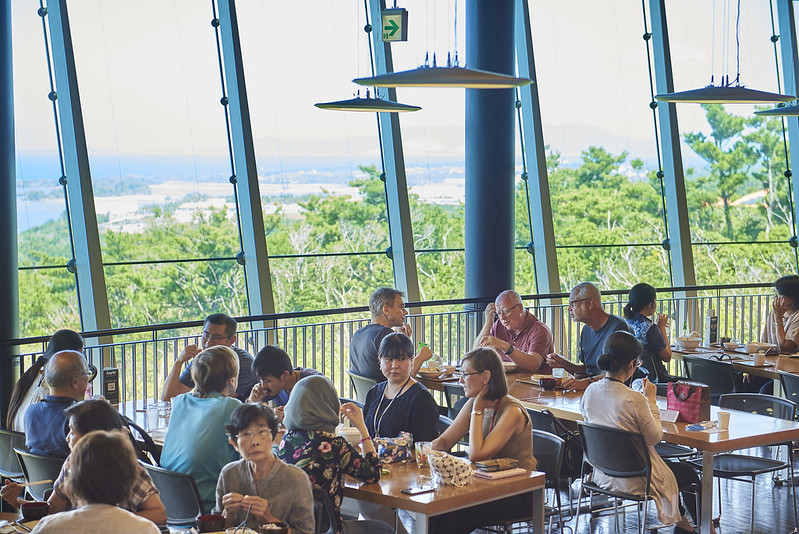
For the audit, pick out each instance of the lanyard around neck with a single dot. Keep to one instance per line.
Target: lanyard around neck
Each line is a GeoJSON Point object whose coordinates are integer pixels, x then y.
{"type": "Point", "coordinates": [376, 421]}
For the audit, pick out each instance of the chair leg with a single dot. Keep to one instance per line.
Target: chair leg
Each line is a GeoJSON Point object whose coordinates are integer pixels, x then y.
{"type": "Point", "coordinates": [752, 511]}
{"type": "Point", "coordinates": [616, 513]}
{"type": "Point", "coordinates": [579, 497]}
{"type": "Point", "coordinates": [793, 488]}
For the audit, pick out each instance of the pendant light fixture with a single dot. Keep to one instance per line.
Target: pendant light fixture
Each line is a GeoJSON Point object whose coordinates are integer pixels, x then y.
{"type": "Point", "coordinates": [728, 92]}
{"type": "Point", "coordinates": [367, 104]}
{"type": "Point", "coordinates": [780, 111]}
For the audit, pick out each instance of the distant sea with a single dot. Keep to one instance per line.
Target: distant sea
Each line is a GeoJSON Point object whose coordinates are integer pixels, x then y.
{"type": "Point", "coordinates": [34, 213]}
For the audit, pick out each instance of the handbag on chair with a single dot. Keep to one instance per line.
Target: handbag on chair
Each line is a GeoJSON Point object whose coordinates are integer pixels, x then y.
{"type": "Point", "coordinates": [690, 399]}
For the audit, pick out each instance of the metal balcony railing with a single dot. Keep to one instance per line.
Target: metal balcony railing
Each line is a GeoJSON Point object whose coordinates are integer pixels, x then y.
{"type": "Point", "coordinates": [320, 339]}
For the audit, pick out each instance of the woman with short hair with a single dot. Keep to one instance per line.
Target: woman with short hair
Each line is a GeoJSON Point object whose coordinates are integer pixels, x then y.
{"type": "Point", "coordinates": [498, 427]}
{"type": "Point", "coordinates": [196, 442]}
{"type": "Point", "coordinates": [102, 472]}
{"type": "Point", "coordinates": [261, 487]}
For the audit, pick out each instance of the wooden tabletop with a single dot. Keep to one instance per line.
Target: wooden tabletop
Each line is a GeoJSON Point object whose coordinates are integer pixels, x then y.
{"type": "Point", "coordinates": [387, 491]}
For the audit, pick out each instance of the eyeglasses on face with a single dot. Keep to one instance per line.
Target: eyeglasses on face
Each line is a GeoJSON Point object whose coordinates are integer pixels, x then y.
{"type": "Point", "coordinates": [216, 338]}
{"type": "Point", "coordinates": [505, 313]}
{"type": "Point", "coordinates": [249, 435]}
{"type": "Point", "coordinates": [572, 303]}
{"type": "Point", "coordinates": [464, 375]}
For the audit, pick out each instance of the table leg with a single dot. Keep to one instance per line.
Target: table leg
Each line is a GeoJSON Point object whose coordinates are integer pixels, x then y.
{"type": "Point", "coordinates": [706, 515]}
{"type": "Point", "coordinates": [538, 510]}
{"type": "Point", "coordinates": [420, 524]}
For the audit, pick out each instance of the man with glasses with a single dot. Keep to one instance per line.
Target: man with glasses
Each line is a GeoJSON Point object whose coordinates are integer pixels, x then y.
{"type": "Point", "coordinates": [516, 334]}
{"type": "Point", "coordinates": [67, 374]}
{"type": "Point", "coordinates": [219, 329]}
{"type": "Point", "coordinates": [585, 306]}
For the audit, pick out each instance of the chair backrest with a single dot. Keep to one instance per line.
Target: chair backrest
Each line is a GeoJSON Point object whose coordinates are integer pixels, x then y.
{"type": "Point", "coordinates": [760, 404]}
{"type": "Point", "coordinates": [615, 452]}
{"type": "Point", "coordinates": [179, 494]}
{"type": "Point", "coordinates": [361, 385]}
{"type": "Point", "coordinates": [324, 513]}
{"type": "Point", "coordinates": [548, 452]}
{"type": "Point", "coordinates": [455, 397]}
{"type": "Point", "coordinates": [444, 423]}
{"type": "Point", "coordinates": [9, 462]}
{"type": "Point", "coordinates": [37, 468]}
{"type": "Point", "coordinates": [542, 420]}
{"type": "Point", "coordinates": [790, 386]}
{"type": "Point", "coordinates": [344, 400]}
{"type": "Point", "coordinates": [654, 365]}
{"type": "Point", "coordinates": [717, 375]}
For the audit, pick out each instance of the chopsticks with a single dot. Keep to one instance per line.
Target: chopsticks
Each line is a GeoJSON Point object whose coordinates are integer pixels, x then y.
{"type": "Point", "coordinates": [26, 484]}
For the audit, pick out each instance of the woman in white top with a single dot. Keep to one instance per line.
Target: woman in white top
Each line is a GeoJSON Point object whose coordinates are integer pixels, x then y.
{"type": "Point", "coordinates": [102, 471]}
{"type": "Point", "coordinates": [782, 323]}
{"type": "Point", "coordinates": [609, 402]}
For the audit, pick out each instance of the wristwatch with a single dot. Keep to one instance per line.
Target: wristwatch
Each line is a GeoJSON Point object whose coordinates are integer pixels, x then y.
{"type": "Point", "coordinates": [510, 349]}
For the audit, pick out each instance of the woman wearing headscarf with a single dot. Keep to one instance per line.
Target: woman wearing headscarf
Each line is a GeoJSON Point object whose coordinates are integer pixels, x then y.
{"type": "Point", "coordinates": [310, 443]}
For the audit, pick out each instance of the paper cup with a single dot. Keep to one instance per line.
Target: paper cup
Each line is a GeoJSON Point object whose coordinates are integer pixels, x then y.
{"type": "Point", "coordinates": [724, 419]}
{"type": "Point", "coordinates": [759, 358]}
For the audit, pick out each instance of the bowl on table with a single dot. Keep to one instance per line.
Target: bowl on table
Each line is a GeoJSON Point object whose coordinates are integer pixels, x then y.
{"type": "Point", "coordinates": [688, 343]}
{"type": "Point", "coordinates": [547, 383]}
{"type": "Point", "coordinates": [32, 511]}
{"type": "Point", "coordinates": [437, 371]}
{"type": "Point", "coordinates": [274, 528]}
{"type": "Point", "coordinates": [730, 345]}
{"type": "Point", "coordinates": [537, 379]}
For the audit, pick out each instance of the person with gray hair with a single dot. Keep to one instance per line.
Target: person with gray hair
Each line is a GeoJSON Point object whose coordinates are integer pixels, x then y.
{"type": "Point", "coordinates": [388, 312]}
{"type": "Point", "coordinates": [585, 306]}
{"type": "Point", "coordinates": [67, 374]}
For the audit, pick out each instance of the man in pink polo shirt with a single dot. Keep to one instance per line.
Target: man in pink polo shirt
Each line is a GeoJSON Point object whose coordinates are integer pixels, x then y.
{"type": "Point", "coordinates": [517, 334]}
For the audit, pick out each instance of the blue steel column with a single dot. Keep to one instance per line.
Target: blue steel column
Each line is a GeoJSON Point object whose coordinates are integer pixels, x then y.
{"type": "Point", "coordinates": [790, 75]}
{"type": "Point", "coordinates": [682, 256]}
{"type": "Point", "coordinates": [490, 230]}
{"type": "Point", "coordinates": [544, 253]}
{"type": "Point", "coordinates": [88, 256]}
{"type": "Point", "coordinates": [9, 301]}
{"type": "Point", "coordinates": [256, 268]}
{"type": "Point", "coordinates": [403, 254]}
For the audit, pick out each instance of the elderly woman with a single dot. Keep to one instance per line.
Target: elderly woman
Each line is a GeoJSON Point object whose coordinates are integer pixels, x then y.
{"type": "Point", "coordinates": [196, 442]}
{"type": "Point", "coordinates": [85, 417]}
{"type": "Point", "coordinates": [31, 387]}
{"type": "Point", "coordinates": [271, 490]}
{"type": "Point", "coordinates": [311, 444]}
{"type": "Point", "coordinates": [103, 469]}
{"type": "Point", "coordinates": [400, 403]}
{"type": "Point", "coordinates": [498, 427]}
{"type": "Point", "coordinates": [609, 402]}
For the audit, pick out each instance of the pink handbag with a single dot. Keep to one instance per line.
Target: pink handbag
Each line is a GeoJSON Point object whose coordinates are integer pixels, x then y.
{"type": "Point", "coordinates": [690, 399]}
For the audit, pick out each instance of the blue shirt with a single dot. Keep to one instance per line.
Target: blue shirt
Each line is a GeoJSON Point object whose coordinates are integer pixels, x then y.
{"type": "Point", "coordinates": [196, 442]}
{"type": "Point", "coordinates": [46, 426]}
{"type": "Point", "coordinates": [592, 342]}
{"type": "Point", "coordinates": [651, 338]}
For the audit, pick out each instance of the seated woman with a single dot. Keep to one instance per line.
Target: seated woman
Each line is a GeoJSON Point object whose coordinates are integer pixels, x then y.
{"type": "Point", "coordinates": [498, 427]}
{"type": "Point", "coordinates": [103, 469]}
{"type": "Point", "coordinates": [311, 444]}
{"type": "Point", "coordinates": [610, 403]}
{"type": "Point", "coordinates": [400, 403]}
{"type": "Point", "coordinates": [782, 323]}
{"type": "Point", "coordinates": [642, 303]}
{"type": "Point", "coordinates": [31, 387]}
{"type": "Point", "coordinates": [196, 442]}
{"type": "Point", "coordinates": [269, 489]}
{"type": "Point", "coordinates": [85, 417]}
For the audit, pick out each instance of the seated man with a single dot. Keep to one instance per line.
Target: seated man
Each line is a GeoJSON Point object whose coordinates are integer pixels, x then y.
{"type": "Point", "coordinates": [585, 306]}
{"type": "Point", "coordinates": [46, 428]}
{"type": "Point", "coordinates": [219, 329]}
{"type": "Point", "coordinates": [388, 311]}
{"type": "Point", "coordinates": [517, 334]}
{"type": "Point", "coordinates": [273, 367]}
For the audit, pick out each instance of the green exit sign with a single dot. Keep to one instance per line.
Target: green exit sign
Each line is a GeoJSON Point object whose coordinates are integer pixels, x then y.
{"type": "Point", "coordinates": [395, 25]}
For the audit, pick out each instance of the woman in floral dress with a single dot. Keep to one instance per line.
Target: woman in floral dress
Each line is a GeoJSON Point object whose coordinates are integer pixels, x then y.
{"type": "Point", "coordinates": [311, 444]}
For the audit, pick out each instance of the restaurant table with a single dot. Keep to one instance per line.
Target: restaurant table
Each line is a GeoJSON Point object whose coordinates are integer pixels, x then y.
{"type": "Point", "coordinates": [740, 361]}
{"type": "Point", "coordinates": [745, 430]}
{"type": "Point", "coordinates": [387, 492]}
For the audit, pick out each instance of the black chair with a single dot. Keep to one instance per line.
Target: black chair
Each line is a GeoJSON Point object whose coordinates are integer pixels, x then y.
{"type": "Point", "coordinates": [444, 423]}
{"type": "Point", "coordinates": [179, 494]}
{"type": "Point", "coordinates": [343, 400]}
{"type": "Point", "coordinates": [361, 385]}
{"type": "Point", "coordinates": [37, 467]}
{"type": "Point", "coordinates": [542, 420]}
{"type": "Point", "coordinates": [716, 374]}
{"type": "Point", "coordinates": [790, 386]}
{"type": "Point", "coordinates": [744, 467]}
{"type": "Point", "coordinates": [324, 514]}
{"type": "Point", "coordinates": [9, 462]}
{"type": "Point", "coordinates": [617, 453]}
{"type": "Point", "coordinates": [672, 451]}
{"type": "Point", "coordinates": [455, 398]}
